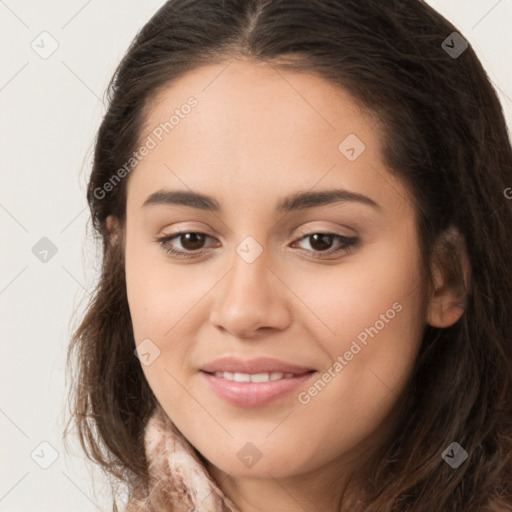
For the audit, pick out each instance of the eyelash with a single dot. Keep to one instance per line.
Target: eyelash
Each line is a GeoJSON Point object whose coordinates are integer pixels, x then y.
{"type": "Point", "coordinates": [349, 244]}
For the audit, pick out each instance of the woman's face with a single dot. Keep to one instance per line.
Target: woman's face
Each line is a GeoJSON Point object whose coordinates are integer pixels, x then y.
{"type": "Point", "coordinates": [269, 149]}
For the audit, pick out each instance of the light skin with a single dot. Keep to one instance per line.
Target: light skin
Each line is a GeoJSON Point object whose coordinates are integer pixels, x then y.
{"type": "Point", "coordinates": [255, 137]}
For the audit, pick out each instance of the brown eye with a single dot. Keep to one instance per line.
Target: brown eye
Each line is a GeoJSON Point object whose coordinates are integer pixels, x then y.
{"type": "Point", "coordinates": [321, 244]}
{"type": "Point", "coordinates": [192, 244]}
{"type": "Point", "coordinates": [321, 241]}
{"type": "Point", "coordinates": [192, 241]}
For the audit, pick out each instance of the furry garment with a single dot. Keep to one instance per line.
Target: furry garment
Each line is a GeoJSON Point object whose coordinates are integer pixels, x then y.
{"type": "Point", "coordinates": [179, 482]}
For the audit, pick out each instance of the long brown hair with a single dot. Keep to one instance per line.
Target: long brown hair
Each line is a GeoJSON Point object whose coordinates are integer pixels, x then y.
{"type": "Point", "coordinates": [445, 136]}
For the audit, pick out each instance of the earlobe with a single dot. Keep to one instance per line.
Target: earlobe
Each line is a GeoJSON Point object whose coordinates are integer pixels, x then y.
{"type": "Point", "coordinates": [451, 281]}
{"type": "Point", "coordinates": [112, 226]}
{"type": "Point", "coordinates": [443, 315]}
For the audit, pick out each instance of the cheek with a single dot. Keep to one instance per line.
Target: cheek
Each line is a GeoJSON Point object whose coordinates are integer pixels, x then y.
{"type": "Point", "coordinates": [164, 306]}
{"type": "Point", "coordinates": [376, 339]}
{"type": "Point", "coordinates": [159, 294]}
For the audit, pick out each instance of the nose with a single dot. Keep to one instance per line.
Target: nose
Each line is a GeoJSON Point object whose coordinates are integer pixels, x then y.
{"type": "Point", "coordinates": [250, 299]}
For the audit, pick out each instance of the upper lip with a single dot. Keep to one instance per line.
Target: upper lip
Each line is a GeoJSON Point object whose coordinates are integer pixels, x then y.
{"type": "Point", "coordinates": [256, 365]}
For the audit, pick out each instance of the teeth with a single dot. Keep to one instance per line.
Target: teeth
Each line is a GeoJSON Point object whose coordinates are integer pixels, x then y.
{"type": "Point", "coordinates": [253, 377]}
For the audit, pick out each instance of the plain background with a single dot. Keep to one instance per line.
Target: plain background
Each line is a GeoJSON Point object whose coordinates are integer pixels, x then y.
{"type": "Point", "coordinates": [51, 109]}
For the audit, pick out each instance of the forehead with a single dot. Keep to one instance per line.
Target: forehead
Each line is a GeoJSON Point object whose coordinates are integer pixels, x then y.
{"type": "Point", "coordinates": [240, 97]}
{"type": "Point", "coordinates": [258, 129]}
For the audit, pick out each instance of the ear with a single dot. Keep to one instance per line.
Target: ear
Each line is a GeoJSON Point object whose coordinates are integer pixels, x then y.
{"type": "Point", "coordinates": [112, 225]}
{"type": "Point", "coordinates": [447, 300]}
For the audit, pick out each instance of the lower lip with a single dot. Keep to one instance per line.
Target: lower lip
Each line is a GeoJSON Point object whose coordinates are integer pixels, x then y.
{"type": "Point", "coordinates": [254, 394]}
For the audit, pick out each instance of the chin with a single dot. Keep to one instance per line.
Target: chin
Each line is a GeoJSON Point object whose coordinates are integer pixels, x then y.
{"type": "Point", "coordinates": [251, 462]}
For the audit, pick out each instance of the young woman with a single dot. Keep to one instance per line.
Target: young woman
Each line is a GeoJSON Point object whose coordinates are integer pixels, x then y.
{"type": "Point", "coordinates": [306, 294]}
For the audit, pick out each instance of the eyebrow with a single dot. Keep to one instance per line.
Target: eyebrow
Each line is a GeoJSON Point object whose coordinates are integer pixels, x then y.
{"type": "Point", "coordinates": [296, 201]}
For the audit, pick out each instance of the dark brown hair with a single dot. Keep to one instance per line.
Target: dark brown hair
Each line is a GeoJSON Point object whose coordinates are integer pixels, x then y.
{"type": "Point", "coordinates": [444, 135]}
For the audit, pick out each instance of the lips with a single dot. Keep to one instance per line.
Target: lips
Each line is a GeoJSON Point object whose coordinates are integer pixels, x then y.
{"type": "Point", "coordinates": [254, 382]}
